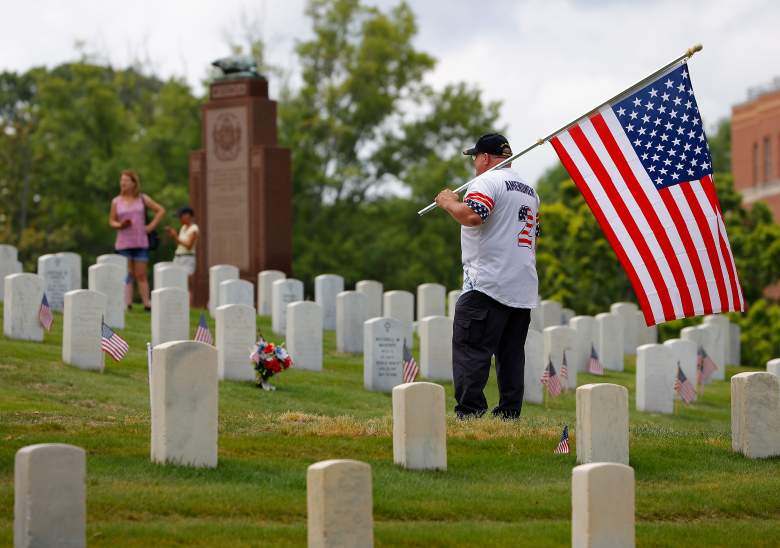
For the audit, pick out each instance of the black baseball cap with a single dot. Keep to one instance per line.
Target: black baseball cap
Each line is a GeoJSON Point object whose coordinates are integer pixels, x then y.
{"type": "Point", "coordinates": [182, 210]}
{"type": "Point", "coordinates": [492, 143]}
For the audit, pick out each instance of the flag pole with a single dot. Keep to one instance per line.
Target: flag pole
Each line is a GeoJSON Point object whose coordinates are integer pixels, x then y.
{"type": "Point", "coordinates": [687, 55]}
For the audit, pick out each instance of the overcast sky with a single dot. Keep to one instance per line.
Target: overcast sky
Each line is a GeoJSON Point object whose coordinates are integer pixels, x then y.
{"type": "Point", "coordinates": [547, 61]}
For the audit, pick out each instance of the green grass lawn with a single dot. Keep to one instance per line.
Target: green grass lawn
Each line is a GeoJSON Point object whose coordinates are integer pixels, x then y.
{"type": "Point", "coordinates": [503, 487]}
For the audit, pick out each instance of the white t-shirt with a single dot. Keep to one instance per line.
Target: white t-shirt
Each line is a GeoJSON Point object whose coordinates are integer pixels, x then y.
{"type": "Point", "coordinates": [499, 256]}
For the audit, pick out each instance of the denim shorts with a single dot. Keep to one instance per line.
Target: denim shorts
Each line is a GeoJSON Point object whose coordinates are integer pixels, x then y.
{"type": "Point", "coordinates": [140, 254]}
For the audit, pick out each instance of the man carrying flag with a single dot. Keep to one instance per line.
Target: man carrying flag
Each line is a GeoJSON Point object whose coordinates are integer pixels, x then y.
{"type": "Point", "coordinates": [499, 225]}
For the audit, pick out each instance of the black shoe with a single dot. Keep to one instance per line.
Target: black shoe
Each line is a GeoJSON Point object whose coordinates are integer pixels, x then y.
{"type": "Point", "coordinates": [148, 308]}
{"type": "Point", "coordinates": [129, 306]}
{"type": "Point", "coordinates": [506, 415]}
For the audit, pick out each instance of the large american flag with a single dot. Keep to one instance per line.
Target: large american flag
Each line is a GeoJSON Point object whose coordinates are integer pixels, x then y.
{"type": "Point", "coordinates": [643, 166]}
{"type": "Point", "coordinates": [410, 369]}
{"type": "Point", "coordinates": [202, 333]}
{"type": "Point", "coordinates": [111, 343]}
{"type": "Point", "coordinates": [44, 314]}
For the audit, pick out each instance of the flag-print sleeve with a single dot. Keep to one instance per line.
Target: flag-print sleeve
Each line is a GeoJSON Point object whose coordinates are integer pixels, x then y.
{"type": "Point", "coordinates": [481, 197]}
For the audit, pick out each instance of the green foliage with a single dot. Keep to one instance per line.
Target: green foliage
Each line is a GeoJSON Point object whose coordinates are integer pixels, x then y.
{"type": "Point", "coordinates": [363, 125]}
{"type": "Point", "coordinates": [66, 133]}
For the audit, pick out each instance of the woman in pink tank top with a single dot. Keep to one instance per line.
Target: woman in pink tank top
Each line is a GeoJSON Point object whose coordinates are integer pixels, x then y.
{"type": "Point", "coordinates": [128, 217]}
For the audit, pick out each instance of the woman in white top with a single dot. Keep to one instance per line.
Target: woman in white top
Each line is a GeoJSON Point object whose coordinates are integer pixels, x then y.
{"type": "Point", "coordinates": [186, 241]}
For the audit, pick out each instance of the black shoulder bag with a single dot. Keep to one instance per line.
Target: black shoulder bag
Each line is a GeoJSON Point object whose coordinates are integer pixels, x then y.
{"type": "Point", "coordinates": [154, 237]}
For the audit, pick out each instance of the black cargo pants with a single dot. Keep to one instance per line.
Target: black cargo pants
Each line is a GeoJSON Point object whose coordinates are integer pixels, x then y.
{"type": "Point", "coordinates": [484, 328]}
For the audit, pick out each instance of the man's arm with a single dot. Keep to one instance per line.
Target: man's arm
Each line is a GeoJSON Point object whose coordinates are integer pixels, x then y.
{"type": "Point", "coordinates": [449, 202]}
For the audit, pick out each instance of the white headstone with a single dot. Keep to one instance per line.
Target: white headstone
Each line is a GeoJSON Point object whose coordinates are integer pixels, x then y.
{"type": "Point", "coordinates": [23, 295]}
{"type": "Point", "coordinates": [430, 300]}
{"type": "Point", "coordinates": [9, 264]}
{"type": "Point", "coordinates": [81, 329]}
{"type": "Point", "coordinates": [56, 275]}
{"type": "Point", "coordinates": [237, 292]}
{"type": "Point", "coordinates": [158, 266]}
{"type": "Point", "coordinates": [559, 339]}
{"type": "Point", "coordinates": [627, 313]}
{"type": "Point", "coordinates": [109, 279]}
{"type": "Point", "coordinates": [170, 315]}
{"type": "Point", "coordinates": [350, 315]}
{"type": "Point", "coordinates": [373, 292]}
{"type": "Point", "coordinates": [735, 334]}
{"type": "Point", "coordinates": [419, 426]}
{"type": "Point", "coordinates": [436, 347]}
{"type": "Point", "coordinates": [683, 353]}
{"type": "Point", "coordinates": [773, 366]}
{"type": "Point", "coordinates": [400, 305]}
{"type": "Point", "coordinates": [534, 367]}
{"type": "Point", "coordinates": [185, 397]}
{"type": "Point", "coordinates": [723, 325]}
{"type": "Point", "coordinates": [73, 260]}
{"type": "Point", "coordinates": [645, 334]}
{"type": "Point", "coordinates": [602, 423]}
{"type": "Point", "coordinates": [339, 505]}
{"type": "Point", "coordinates": [236, 338]}
{"type": "Point", "coordinates": [170, 276]}
{"type": "Point", "coordinates": [552, 311]}
{"type": "Point", "coordinates": [755, 414]}
{"type": "Point", "coordinates": [537, 319]}
{"type": "Point", "coordinates": [602, 505]}
{"type": "Point", "coordinates": [383, 354]}
{"type": "Point", "coordinates": [113, 258]}
{"type": "Point", "coordinates": [218, 274]}
{"type": "Point", "coordinates": [584, 339]}
{"type": "Point", "coordinates": [286, 291]}
{"type": "Point", "coordinates": [452, 301]}
{"type": "Point", "coordinates": [656, 370]}
{"type": "Point", "coordinates": [326, 287]}
{"type": "Point", "coordinates": [265, 280]}
{"type": "Point", "coordinates": [566, 315]}
{"type": "Point", "coordinates": [50, 496]}
{"type": "Point", "coordinates": [609, 345]}
{"type": "Point", "coordinates": [304, 335]}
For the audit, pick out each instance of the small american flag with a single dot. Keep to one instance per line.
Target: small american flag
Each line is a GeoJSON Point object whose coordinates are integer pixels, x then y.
{"type": "Point", "coordinates": [202, 333]}
{"type": "Point", "coordinates": [705, 367]}
{"type": "Point", "coordinates": [112, 344]}
{"type": "Point", "coordinates": [683, 386]}
{"type": "Point", "coordinates": [563, 445]}
{"type": "Point", "coordinates": [564, 372]}
{"type": "Point", "coordinates": [410, 365]}
{"type": "Point", "coordinates": [594, 365]}
{"type": "Point", "coordinates": [551, 380]}
{"type": "Point", "coordinates": [44, 314]}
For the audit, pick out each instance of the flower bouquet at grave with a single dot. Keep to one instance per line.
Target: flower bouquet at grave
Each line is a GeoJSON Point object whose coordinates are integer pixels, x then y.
{"type": "Point", "coordinates": [269, 359]}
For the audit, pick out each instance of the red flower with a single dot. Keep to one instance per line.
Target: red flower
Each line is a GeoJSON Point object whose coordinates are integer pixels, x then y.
{"type": "Point", "coordinates": [269, 348]}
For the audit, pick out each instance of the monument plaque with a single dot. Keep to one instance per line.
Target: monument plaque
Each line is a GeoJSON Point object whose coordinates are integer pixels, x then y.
{"type": "Point", "coordinates": [240, 184]}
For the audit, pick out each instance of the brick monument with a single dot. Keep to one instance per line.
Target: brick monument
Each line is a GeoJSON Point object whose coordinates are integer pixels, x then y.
{"type": "Point", "coordinates": [240, 184]}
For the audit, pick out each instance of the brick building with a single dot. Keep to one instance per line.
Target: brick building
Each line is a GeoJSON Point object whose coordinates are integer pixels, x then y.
{"type": "Point", "coordinates": [755, 146]}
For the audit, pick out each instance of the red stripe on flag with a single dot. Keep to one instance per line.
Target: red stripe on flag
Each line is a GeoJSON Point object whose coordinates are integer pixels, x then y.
{"type": "Point", "coordinates": [487, 199]}
{"type": "Point", "coordinates": [709, 242]}
{"type": "Point", "coordinates": [647, 210]}
{"type": "Point", "coordinates": [625, 216]}
{"type": "Point", "coordinates": [709, 189]}
{"type": "Point", "coordinates": [478, 199]}
{"type": "Point", "coordinates": [639, 289]}
{"type": "Point", "coordinates": [690, 248]}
